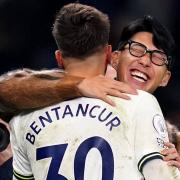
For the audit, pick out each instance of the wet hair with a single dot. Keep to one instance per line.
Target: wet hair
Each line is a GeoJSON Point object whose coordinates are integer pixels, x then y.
{"type": "Point", "coordinates": [80, 30]}
{"type": "Point", "coordinates": [162, 38]}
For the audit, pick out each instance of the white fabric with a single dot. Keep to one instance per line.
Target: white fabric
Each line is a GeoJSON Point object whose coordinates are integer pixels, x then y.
{"type": "Point", "coordinates": [157, 170]}
{"type": "Point", "coordinates": [130, 130]}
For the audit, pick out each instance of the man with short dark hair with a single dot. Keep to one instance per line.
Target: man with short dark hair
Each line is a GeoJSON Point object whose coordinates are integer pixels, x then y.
{"type": "Point", "coordinates": [149, 46]}
{"type": "Point", "coordinates": [44, 145]}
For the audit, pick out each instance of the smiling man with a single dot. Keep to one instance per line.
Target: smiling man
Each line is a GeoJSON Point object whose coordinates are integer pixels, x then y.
{"type": "Point", "coordinates": [143, 68]}
{"type": "Point", "coordinates": [144, 55]}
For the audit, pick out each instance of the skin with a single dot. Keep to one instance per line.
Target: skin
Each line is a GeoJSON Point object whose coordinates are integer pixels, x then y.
{"type": "Point", "coordinates": [171, 155]}
{"type": "Point", "coordinates": [125, 64]}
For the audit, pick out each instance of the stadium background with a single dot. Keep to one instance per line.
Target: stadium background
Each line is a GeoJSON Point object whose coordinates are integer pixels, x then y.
{"type": "Point", "coordinates": [26, 40]}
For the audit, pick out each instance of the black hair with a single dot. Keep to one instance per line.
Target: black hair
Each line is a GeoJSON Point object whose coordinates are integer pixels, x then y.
{"type": "Point", "coordinates": [162, 38]}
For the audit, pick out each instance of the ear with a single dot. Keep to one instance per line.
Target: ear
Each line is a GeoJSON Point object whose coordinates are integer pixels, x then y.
{"type": "Point", "coordinates": [115, 59]}
{"type": "Point", "coordinates": [108, 51]}
{"type": "Point", "coordinates": [165, 79]}
{"type": "Point", "coordinates": [59, 59]}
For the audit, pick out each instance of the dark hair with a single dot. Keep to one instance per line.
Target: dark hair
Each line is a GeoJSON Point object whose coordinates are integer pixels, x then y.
{"type": "Point", "coordinates": [80, 30]}
{"type": "Point", "coordinates": [162, 38]}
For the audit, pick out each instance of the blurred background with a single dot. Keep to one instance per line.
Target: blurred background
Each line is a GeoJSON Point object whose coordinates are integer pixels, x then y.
{"type": "Point", "coordinates": [26, 40]}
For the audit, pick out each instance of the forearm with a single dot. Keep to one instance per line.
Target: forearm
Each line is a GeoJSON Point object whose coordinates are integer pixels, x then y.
{"type": "Point", "coordinates": [46, 92]}
{"type": "Point", "coordinates": [28, 90]}
{"type": "Point", "coordinates": [157, 169]}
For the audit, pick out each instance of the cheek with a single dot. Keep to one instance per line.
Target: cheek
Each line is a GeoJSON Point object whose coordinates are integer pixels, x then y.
{"type": "Point", "coordinates": [158, 77]}
{"type": "Point", "coordinates": [121, 71]}
{"type": "Point", "coordinates": [124, 62]}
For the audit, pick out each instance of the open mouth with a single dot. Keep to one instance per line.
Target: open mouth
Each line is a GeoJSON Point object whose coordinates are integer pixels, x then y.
{"type": "Point", "coordinates": [139, 76]}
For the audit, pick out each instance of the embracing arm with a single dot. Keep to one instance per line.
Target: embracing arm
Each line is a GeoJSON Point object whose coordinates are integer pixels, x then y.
{"type": "Point", "coordinates": [27, 89]}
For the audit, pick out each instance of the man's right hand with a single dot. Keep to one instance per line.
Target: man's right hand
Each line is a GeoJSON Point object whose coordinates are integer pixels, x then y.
{"type": "Point", "coordinates": [100, 87]}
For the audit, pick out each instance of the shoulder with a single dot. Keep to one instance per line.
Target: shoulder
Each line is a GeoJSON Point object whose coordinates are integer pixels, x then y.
{"type": "Point", "coordinates": [144, 97]}
{"type": "Point", "coordinates": [144, 102]}
{"type": "Point", "coordinates": [143, 94]}
{"type": "Point", "coordinates": [149, 100]}
{"type": "Point", "coordinates": [141, 97]}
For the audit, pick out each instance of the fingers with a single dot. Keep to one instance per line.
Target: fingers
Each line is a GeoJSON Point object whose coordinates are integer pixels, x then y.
{"type": "Point", "coordinates": [123, 87]}
{"type": "Point", "coordinates": [169, 145]}
{"type": "Point", "coordinates": [171, 155]}
{"type": "Point", "coordinates": [115, 88]}
{"type": "Point", "coordinates": [108, 100]}
{"type": "Point", "coordinates": [170, 151]}
{"type": "Point", "coordinates": [174, 163]}
{"type": "Point", "coordinates": [101, 86]}
{"type": "Point", "coordinates": [117, 85]}
{"type": "Point", "coordinates": [116, 93]}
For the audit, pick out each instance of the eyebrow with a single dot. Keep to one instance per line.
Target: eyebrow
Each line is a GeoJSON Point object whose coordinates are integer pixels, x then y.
{"type": "Point", "coordinates": [160, 50]}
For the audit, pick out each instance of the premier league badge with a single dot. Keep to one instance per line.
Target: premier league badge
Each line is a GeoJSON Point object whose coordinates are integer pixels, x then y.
{"type": "Point", "coordinates": [160, 126]}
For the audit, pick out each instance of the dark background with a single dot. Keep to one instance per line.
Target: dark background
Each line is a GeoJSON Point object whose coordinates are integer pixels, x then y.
{"type": "Point", "coordinates": [26, 40]}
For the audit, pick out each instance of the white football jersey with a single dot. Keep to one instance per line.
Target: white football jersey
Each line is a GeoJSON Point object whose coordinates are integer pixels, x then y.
{"type": "Point", "coordinates": [87, 139]}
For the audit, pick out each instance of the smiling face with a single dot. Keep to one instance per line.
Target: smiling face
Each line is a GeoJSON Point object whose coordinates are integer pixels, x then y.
{"type": "Point", "coordinates": [140, 72]}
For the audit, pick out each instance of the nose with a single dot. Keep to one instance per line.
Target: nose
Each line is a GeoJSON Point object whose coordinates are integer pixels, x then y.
{"type": "Point", "coordinates": [145, 60]}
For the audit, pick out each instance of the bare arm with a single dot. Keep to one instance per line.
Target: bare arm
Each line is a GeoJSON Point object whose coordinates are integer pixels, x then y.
{"type": "Point", "coordinates": [27, 89]}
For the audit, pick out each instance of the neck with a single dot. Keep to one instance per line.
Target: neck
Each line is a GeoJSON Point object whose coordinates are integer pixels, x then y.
{"type": "Point", "coordinates": [91, 66]}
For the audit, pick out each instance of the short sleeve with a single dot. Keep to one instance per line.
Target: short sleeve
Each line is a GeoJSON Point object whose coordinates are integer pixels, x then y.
{"type": "Point", "coordinates": [21, 165]}
{"type": "Point", "coordinates": [150, 130]}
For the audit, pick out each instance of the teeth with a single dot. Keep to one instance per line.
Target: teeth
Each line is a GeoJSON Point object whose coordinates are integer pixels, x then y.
{"type": "Point", "coordinates": [138, 79]}
{"type": "Point", "coordinates": [139, 76]}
